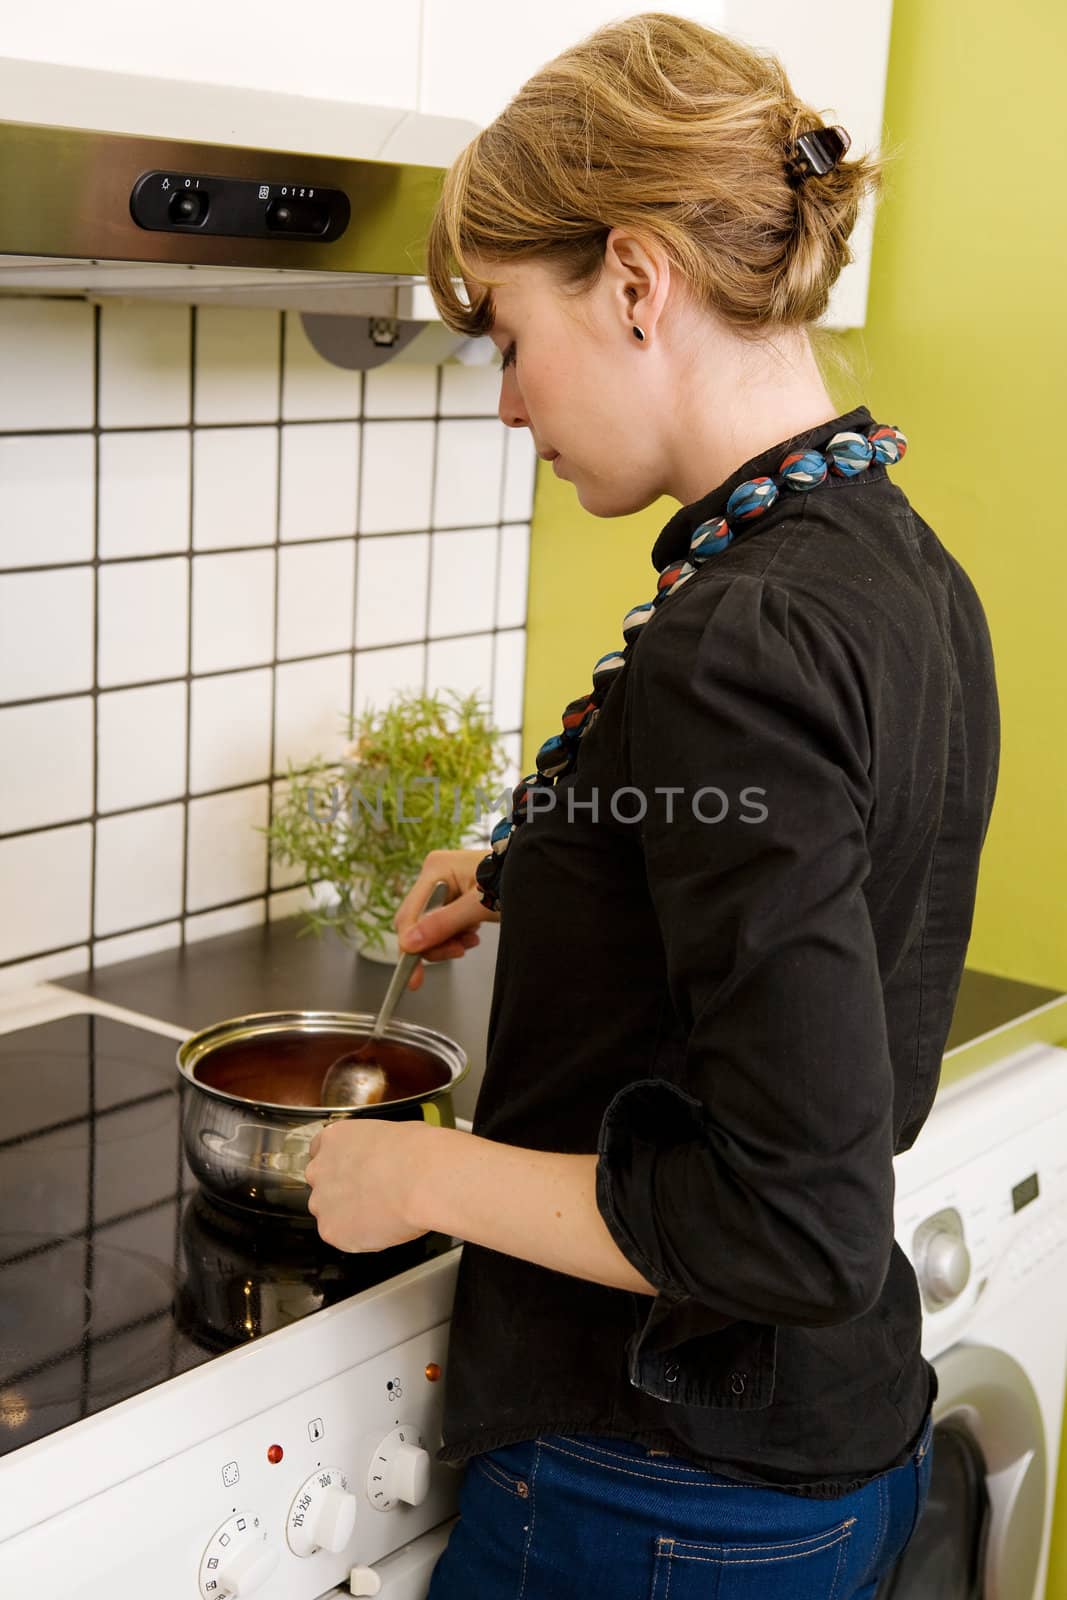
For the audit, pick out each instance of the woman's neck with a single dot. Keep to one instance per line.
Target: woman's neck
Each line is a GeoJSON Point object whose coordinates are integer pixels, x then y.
{"type": "Point", "coordinates": [757, 395]}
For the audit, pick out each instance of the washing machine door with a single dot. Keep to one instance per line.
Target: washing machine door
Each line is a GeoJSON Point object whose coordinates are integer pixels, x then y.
{"type": "Point", "coordinates": [981, 1534]}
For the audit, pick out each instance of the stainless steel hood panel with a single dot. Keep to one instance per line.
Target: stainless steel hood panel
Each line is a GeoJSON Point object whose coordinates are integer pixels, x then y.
{"type": "Point", "coordinates": [72, 191]}
{"type": "Point", "coordinates": [76, 141]}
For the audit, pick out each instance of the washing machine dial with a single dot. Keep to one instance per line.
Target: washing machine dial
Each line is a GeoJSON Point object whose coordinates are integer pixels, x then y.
{"type": "Point", "coordinates": [322, 1515]}
{"type": "Point", "coordinates": [238, 1560]}
{"type": "Point", "coordinates": [399, 1470]}
{"type": "Point", "coordinates": [942, 1260]}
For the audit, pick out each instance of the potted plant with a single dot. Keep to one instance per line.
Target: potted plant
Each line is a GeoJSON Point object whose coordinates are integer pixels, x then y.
{"type": "Point", "coordinates": [420, 774]}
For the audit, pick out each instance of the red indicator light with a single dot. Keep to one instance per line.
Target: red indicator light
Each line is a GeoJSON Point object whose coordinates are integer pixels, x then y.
{"type": "Point", "coordinates": [274, 1454]}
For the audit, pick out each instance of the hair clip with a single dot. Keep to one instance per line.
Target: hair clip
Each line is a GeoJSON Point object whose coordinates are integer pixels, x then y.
{"type": "Point", "coordinates": [817, 151]}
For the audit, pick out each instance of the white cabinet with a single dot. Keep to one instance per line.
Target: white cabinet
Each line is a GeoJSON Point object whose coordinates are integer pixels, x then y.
{"type": "Point", "coordinates": [477, 53]}
{"type": "Point", "coordinates": [330, 49]}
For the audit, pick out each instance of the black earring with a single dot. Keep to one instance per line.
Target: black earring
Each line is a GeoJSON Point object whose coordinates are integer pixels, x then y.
{"type": "Point", "coordinates": [639, 333]}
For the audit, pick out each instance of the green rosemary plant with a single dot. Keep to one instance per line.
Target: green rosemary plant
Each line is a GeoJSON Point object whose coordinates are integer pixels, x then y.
{"type": "Point", "coordinates": [423, 773]}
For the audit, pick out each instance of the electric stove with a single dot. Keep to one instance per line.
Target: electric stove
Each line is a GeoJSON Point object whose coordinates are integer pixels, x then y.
{"type": "Point", "coordinates": [270, 1402]}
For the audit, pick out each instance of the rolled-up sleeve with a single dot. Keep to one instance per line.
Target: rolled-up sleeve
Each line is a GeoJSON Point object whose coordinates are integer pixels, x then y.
{"type": "Point", "coordinates": [758, 1186]}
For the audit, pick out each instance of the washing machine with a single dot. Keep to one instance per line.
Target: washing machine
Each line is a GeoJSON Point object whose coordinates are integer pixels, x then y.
{"type": "Point", "coordinates": [981, 1210]}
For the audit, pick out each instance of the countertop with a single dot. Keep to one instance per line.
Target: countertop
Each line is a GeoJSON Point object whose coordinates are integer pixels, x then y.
{"type": "Point", "coordinates": [276, 968]}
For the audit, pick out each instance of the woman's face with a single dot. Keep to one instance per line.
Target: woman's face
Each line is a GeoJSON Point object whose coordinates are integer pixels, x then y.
{"type": "Point", "coordinates": [632, 421]}
{"type": "Point", "coordinates": [576, 376]}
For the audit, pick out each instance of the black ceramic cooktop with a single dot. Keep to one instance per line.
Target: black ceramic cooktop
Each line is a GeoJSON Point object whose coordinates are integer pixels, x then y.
{"type": "Point", "coordinates": [116, 1270]}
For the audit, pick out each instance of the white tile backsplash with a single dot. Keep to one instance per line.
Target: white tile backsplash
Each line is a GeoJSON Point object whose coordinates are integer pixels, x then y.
{"type": "Point", "coordinates": [391, 594]}
{"type": "Point", "coordinates": [46, 633]}
{"type": "Point", "coordinates": [144, 492]}
{"type": "Point", "coordinates": [312, 386]}
{"type": "Point", "coordinates": [311, 700]}
{"type": "Point", "coordinates": [233, 610]}
{"type": "Point", "coordinates": [464, 664]}
{"type": "Point", "coordinates": [46, 499]}
{"type": "Point", "coordinates": [463, 580]}
{"type": "Point", "coordinates": [144, 366]}
{"type": "Point", "coordinates": [152, 841]}
{"type": "Point", "coordinates": [140, 746]}
{"type": "Point", "coordinates": [399, 390]}
{"type": "Point", "coordinates": [227, 857]}
{"type": "Point", "coordinates": [49, 747]}
{"type": "Point", "coordinates": [46, 357]}
{"type": "Point", "coordinates": [144, 611]}
{"type": "Point", "coordinates": [210, 924]}
{"type": "Point", "coordinates": [215, 592]}
{"type": "Point", "coordinates": [520, 471]}
{"type": "Point", "coordinates": [316, 586]}
{"type": "Point", "coordinates": [238, 363]}
{"type": "Point", "coordinates": [378, 675]}
{"type": "Point", "coordinates": [230, 722]}
{"type": "Point", "coordinates": [235, 487]}
{"type": "Point", "coordinates": [44, 890]}
{"type": "Point", "coordinates": [470, 390]}
{"type": "Point", "coordinates": [470, 464]}
{"type": "Point", "coordinates": [513, 575]}
{"type": "Point", "coordinates": [397, 483]}
{"type": "Point", "coordinates": [509, 678]}
{"type": "Point", "coordinates": [320, 474]}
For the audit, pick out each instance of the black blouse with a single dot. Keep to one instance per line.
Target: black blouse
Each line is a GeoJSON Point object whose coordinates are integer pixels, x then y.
{"type": "Point", "coordinates": [728, 959]}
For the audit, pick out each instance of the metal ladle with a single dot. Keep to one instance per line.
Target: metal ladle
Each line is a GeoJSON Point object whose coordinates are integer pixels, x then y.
{"type": "Point", "coordinates": [357, 1078]}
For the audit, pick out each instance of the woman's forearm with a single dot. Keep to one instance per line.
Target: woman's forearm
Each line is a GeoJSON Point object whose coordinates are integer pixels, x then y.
{"type": "Point", "coordinates": [532, 1204]}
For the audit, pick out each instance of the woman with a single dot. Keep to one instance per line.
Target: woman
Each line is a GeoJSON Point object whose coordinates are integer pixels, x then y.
{"type": "Point", "coordinates": [735, 899]}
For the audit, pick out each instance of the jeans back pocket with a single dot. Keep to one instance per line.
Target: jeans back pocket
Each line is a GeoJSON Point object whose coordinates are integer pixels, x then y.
{"type": "Point", "coordinates": [785, 1569]}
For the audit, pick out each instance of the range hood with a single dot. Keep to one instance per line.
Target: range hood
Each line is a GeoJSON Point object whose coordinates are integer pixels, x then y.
{"type": "Point", "coordinates": [119, 186]}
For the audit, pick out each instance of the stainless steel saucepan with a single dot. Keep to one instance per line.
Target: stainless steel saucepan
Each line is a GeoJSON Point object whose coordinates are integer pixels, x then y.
{"type": "Point", "coordinates": [252, 1084]}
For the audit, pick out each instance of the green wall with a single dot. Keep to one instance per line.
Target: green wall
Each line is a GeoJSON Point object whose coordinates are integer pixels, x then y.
{"type": "Point", "coordinates": [965, 350]}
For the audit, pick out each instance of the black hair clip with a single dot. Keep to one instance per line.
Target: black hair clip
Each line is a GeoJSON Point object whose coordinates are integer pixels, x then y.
{"type": "Point", "coordinates": [817, 151]}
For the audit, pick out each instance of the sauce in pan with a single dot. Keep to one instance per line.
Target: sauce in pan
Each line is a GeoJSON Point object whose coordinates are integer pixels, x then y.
{"type": "Point", "coordinates": [287, 1069]}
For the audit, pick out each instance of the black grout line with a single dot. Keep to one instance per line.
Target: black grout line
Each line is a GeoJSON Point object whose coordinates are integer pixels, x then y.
{"type": "Point", "coordinates": [192, 333]}
{"type": "Point", "coordinates": [434, 458]}
{"type": "Point", "coordinates": [90, 1213]}
{"type": "Point", "coordinates": [255, 666]}
{"type": "Point", "coordinates": [276, 596]}
{"type": "Point", "coordinates": [95, 758]}
{"type": "Point", "coordinates": [247, 549]}
{"type": "Point", "coordinates": [197, 795]}
{"type": "Point", "coordinates": [358, 562]}
{"type": "Point", "coordinates": [290, 422]}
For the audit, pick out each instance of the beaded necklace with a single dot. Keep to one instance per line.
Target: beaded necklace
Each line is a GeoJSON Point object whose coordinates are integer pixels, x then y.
{"type": "Point", "coordinates": [846, 455]}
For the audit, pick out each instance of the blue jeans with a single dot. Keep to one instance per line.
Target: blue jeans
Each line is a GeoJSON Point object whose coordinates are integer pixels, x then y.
{"type": "Point", "coordinates": [563, 1517]}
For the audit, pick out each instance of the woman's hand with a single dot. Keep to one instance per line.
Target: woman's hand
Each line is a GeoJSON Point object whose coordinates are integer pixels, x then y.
{"type": "Point", "coordinates": [356, 1171]}
{"type": "Point", "coordinates": [449, 930]}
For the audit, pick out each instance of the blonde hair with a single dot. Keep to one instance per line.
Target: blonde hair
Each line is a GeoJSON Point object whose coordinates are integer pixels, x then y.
{"type": "Point", "coordinates": [675, 131]}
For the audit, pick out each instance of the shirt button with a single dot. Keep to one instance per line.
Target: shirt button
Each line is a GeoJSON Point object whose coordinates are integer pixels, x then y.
{"type": "Point", "coordinates": [671, 1373]}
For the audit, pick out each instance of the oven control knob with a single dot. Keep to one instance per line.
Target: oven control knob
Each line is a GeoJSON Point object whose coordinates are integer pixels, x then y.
{"type": "Point", "coordinates": [399, 1470]}
{"type": "Point", "coordinates": [946, 1268]}
{"type": "Point", "coordinates": [238, 1559]}
{"type": "Point", "coordinates": [322, 1515]}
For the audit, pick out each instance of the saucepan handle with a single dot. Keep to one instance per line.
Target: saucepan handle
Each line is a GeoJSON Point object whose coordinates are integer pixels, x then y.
{"type": "Point", "coordinates": [288, 1154]}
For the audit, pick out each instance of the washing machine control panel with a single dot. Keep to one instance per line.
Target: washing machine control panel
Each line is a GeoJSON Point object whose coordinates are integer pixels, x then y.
{"type": "Point", "coordinates": [941, 1258]}
{"type": "Point", "coordinates": [982, 1196]}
